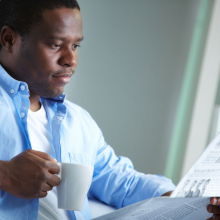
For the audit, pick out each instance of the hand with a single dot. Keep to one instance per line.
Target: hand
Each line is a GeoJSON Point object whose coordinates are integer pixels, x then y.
{"type": "Point", "coordinates": [168, 193]}
{"type": "Point", "coordinates": [214, 208]}
{"type": "Point", "coordinates": [29, 175]}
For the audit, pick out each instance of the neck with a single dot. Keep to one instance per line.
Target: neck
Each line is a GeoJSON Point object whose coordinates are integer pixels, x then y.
{"type": "Point", "coordinates": [34, 98]}
{"type": "Point", "coordinates": [34, 102]}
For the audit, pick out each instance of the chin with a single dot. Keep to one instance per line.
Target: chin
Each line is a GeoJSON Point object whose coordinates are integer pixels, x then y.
{"type": "Point", "coordinates": [47, 91]}
{"type": "Point", "coordinates": [52, 94]}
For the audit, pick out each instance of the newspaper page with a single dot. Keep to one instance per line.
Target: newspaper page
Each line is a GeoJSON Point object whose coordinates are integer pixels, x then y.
{"type": "Point", "coordinates": [203, 178]}
{"type": "Point", "coordinates": [163, 208]}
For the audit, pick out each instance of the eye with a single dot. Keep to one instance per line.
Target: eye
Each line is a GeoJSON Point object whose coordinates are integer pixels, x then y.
{"type": "Point", "coordinates": [55, 46]}
{"type": "Point", "coordinates": [75, 46]}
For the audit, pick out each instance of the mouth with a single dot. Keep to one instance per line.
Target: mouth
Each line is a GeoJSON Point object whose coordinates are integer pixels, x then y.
{"type": "Point", "coordinates": [63, 78]}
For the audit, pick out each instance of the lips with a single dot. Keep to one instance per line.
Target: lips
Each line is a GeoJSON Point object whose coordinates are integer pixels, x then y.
{"type": "Point", "coordinates": [63, 75]}
{"type": "Point", "coordinates": [62, 78]}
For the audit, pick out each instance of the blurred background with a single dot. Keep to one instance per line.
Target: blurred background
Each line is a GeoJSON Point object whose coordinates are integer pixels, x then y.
{"type": "Point", "coordinates": [139, 73]}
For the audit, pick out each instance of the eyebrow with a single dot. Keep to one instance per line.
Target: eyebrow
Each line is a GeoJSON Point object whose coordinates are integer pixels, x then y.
{"type": "Point", "coordinates": [62, 38]}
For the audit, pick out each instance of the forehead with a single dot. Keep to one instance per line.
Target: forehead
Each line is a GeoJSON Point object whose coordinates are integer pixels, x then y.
{"type": "Point", "coordinates": [61, 22]}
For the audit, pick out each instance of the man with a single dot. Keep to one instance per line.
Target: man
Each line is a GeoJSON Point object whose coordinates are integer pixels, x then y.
{"type": "Point", "coordinates": [183, 191]}
{"type": "Point", "coordinates": [206, 183]}
{"type": "Point", "coordinates": [197, 191]}
{"type": "Point", "coordinates": [38, 55]}
{"type": "Point", "coordinates": [190, 190]}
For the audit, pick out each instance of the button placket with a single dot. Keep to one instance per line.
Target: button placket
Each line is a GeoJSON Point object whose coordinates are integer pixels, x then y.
{"type": "Point", "coordinates": [57, 121]}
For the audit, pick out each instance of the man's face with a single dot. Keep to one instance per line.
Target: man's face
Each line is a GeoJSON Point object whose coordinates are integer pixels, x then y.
{"type": "Point", "coordinates": [48, 57]}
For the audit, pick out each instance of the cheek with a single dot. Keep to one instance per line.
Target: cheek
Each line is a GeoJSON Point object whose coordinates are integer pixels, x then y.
{"type": "Point", "coordinates": [76, 58]}
{"type": "Point", "coordinates": [47, 61]}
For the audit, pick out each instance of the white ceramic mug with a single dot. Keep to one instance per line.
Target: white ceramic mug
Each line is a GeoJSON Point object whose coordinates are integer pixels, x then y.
{"type": "Point", "coordinates": [74, 186]}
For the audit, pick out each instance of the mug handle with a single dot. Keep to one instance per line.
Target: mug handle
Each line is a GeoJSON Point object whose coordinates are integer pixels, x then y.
{"type": "Point", "coordinates": [59, 174]}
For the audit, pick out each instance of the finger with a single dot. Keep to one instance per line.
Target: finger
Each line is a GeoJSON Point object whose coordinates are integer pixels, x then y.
{"type": "Point", "coordinates": [216, 217]}
{"type": "Point", "coordinates": [42, 194]}
{"type": "Point", "coordinates": [213, 209]}
{"type": "Point", "coordinates": [215, 201]}
{"type": "Point", "coordinates": [53, 180]}
{"type": "Point", "coordinates": [52, 167]}
{"type": "Point", "coordinates": [47, 187]}
{"type": "Point", "coordinates": [43, 155]}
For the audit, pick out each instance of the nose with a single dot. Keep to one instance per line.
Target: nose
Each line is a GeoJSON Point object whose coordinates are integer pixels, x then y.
{"type": "Point", "coordinates": [68, 58]}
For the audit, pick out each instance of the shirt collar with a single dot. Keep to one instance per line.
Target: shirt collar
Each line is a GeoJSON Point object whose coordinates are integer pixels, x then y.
{"type": "Point", "coordinates": [9, 84]}
{"type": "Point", "coordinates": [59, 98]}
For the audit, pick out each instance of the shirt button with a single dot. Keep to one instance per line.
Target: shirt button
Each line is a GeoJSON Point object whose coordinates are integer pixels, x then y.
{"type": "Point", "coordinates": [22, 87]}
{"type": "Point", "coordinates": [12, 91]}
{"type": "Point", "coordinates": [22, 114]}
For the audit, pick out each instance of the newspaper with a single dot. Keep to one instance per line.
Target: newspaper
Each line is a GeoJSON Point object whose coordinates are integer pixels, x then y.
{"type": "Point", "coordinates": [203, 178]}
{"type": "Point", "coordinates": [190, 198]}
{"type": "Point", "coordinates": [163, 208]}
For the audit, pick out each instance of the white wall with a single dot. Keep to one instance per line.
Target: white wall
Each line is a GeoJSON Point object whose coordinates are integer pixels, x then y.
{"type": "Point", "coordinates": [130, 73]}
{"type": "Point", "coordinates": [206, 95]}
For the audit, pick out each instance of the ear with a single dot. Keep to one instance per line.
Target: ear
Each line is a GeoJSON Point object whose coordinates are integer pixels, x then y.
{"type": "Point", "coordinates": [8, 37]}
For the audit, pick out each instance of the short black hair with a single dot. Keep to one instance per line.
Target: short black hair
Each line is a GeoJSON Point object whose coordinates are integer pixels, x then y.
{"type": "Point", "coordinates": [21, 15]}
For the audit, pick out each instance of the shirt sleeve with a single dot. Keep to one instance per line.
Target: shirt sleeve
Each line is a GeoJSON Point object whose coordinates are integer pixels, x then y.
{"type": "Point", "coordinates": [116, 183]}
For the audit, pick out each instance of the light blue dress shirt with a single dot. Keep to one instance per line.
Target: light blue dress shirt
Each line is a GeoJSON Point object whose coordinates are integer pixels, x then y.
{"type": "Point", "coordinates": [76, 138]}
